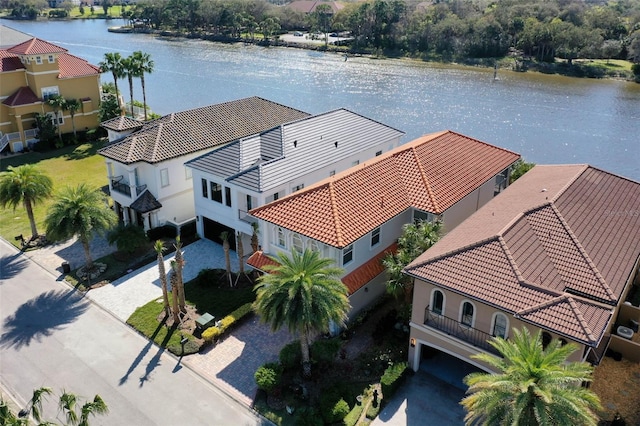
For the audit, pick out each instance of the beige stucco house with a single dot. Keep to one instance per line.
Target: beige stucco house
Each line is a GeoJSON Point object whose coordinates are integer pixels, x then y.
{"type": "Point", "coordinates": [557, 251]}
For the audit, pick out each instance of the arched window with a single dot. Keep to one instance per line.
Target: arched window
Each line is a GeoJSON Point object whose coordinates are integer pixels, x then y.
{"type": "Point", "coordinates": [297, 243]}
{"type": "Point", "coordinates": [280, 238]}
{"type": "Point", "coordinates": [546, 339]}
{"type": "Point", "coordinates": [500, 325]}
{"type": "Point", "coordinates": [467, 311]}
{"type": "Point", "coordinates": [437, 302]}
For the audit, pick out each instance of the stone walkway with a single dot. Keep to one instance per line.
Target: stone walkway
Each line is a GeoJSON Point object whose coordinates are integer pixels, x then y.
{"type": "Point", "coordinates": [229, 364]}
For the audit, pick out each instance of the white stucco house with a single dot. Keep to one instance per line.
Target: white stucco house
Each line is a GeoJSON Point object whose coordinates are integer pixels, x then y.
{"type": "Point", "coordinates": [148, 181]}
{"type": "Point", "coordinates": [355, 217]}
{"type": "Point", "coordinates": [252, 171]}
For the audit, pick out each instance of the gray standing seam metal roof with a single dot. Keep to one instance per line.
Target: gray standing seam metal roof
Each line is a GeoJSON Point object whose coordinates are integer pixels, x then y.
{"type": "Point", "coordinates": [348, 129]}
{"type": "Point", "coordinates": [201, 128]}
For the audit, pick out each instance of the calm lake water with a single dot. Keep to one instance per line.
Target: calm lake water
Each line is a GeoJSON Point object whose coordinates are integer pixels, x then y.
{"type": "Point", "coordinates": [547, 119]}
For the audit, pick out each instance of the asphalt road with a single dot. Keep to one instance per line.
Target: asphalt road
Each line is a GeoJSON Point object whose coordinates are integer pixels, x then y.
{"type": "Point", "coordinates": [52, 336]}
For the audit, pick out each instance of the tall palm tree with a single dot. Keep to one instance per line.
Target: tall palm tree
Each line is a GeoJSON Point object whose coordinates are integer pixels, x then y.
{"type": "Point", "coordinates": [79, 211]}
{"type": "Point", "coordinates": [113, 63]}
{"type": "Point", "coordinates": [91, 408]}
{"type": "Point", "coordinates": [159, 248]}
{"type": "Point", "coordinates": [173, 279]}
{"type": "Point", "coordinates": [304, 293]}
{"type": "Point", "coordinates": [179, 261]}
{"type": "Point", "coordinates": [224, 236]}
{"type": "Point", "coordinates": [145, 65]}
{"type": "Point", "coordinates": [131, 70]}
{"type": "Point", "coordinates": [58, 103]}
{"type": "Point", "coordinates": [25, 185]}
{"type": "Point", "coordinates": [255, 231]}
{"type": "Point", "coordinates": [67, 405]}
{"type": "Point", "coordinates": [416, 238]}
{"type": "Point", "coordinates": [534, 386]}
{"type": "Point", "coordinates": [73, 106]}
{"type": "Point", "coordinates": [35, 404]}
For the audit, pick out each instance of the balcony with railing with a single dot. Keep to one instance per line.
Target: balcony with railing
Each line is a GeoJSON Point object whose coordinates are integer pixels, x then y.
{"type": "Point", "coordinates": [455, 328]}
{"type": "Point", "coordinates": [120, 186]}
{"type": "Point", "coordinates": [246, 217]}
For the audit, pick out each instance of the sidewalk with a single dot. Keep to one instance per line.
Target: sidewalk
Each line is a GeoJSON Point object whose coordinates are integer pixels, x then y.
{"type": "Point", "coordinates": [230, 364]}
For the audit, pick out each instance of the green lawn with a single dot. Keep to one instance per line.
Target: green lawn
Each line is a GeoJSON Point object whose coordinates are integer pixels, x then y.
{"type": "Point", "coordinates": [70, 165]}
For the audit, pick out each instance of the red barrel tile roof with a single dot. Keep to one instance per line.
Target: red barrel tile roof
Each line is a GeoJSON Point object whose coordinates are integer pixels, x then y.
{"type": "Point", "coordinates": [36, 46]}
{"type": "Point", "coordinates": [430, 173]}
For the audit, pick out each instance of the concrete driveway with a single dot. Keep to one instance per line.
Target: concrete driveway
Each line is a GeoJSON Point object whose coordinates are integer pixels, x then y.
{"type": "Point", "coordinates": [431, 396]}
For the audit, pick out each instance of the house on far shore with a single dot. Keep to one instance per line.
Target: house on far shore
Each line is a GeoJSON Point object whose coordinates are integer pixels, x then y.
{"type": "Point", "coordinates": [31, 72]}
{"type": "Point", "coordinates": [252, 171]}
{"type": "Point", "coordinates": [148, 182]}
{"type": "Point", "coordinates": [356, 216]}
{"type": "Point", "coordinates": [556, 252]}
{"type": "Point", "coordinates": [309, 6]}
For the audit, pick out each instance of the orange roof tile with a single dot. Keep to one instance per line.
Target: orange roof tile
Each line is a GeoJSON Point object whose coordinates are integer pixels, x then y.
{"type": "Point", "coordinates": [360, 276]}
{"type": "Point", "coordinates": [259, 260]}
{"type": "Point", "coordinates": [430, 173]}
{"type": "Point", "coordinates": [36, 46]}
{"type": "Point", "coordinates": [71, 66]}
{"type": "Point", "coordinates": [556, 249]}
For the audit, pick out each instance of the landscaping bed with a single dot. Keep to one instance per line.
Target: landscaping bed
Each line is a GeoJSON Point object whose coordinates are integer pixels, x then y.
{"type": "Point", "coordinates": [617, 384]}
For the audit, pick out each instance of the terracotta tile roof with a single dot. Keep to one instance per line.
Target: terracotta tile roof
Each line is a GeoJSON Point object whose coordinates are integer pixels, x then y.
{"type": "Point", "coordinates": [259, 260]}
{"type": "Point", "coordinates": [185, 132]}
{"type": "Point", "coordinates": [9, 62]}
{"type": "Point", "coordinates": [354, 280]}
{"type": "Point", "coordinates": [36, 46]}
{"type": "Point", "coordinates": [556, 249]}
{"type": "Point", "coordinates": [71, 66]}
{"type": "Point", "coordinates": [360, 276]}
{"type": "Point", "coordinates": [22, 96]}
{"type": "Point", "coordinates": [146, 203]}
{"type": "Point", "coordinates": [309, 6]}
{"type": "Point", "coordinates": [430, 173]}
{"type": "Point", "coordinates": [121, 123]}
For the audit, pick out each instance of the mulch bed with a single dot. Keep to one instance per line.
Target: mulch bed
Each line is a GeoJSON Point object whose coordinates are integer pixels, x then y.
{"type": "Point", "coordinates": [617, 383]}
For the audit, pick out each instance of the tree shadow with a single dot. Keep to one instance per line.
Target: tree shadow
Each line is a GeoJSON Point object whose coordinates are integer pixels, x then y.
{"type": "Point", "coordinates": [12, 265]}
{"type": "Point", "coordinates": [41, 316]}
{"type": "Point", "coordinates": [83, 151]}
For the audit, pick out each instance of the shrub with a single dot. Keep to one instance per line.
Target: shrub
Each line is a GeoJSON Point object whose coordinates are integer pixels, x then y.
{"type": "Point", "coordinates": [291, 355]}
{"type": "Point", "coordinates": [191, 347]}
{"type": "Point", "coordinates": [352, 418]}
{"type": "Point", "coordinates": [340, 410]}
{"type": "Point", "coordinates": [213, 333]}
{"type": "Point", "coordinates": [333, 407]}
{"type": "Point", "coordinates": [268, 376]}
{"type": "Point", "coordinates": [325, 350]}
{"type": "Point", "coordinates": [392, 378]}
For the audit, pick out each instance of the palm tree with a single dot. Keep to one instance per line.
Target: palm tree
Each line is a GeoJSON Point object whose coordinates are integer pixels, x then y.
{"type": "Point", "coordinates": [159, 248]}
{"type": "Point", "coordinates": [113, 63]}
{"type": "Point", "coordinates": [145, 65]}
{"type": "Point", "coordinates": [97, 406]}
{"type": "Point", "coordinates": [179, 261]}
{"type": "Point", "coordinates": [534, 386]}
{"type": "Point", "coordinates": [131, 70]}
{"type": "Point", "coordinates": [173, 279]}
{"type": "Point", "coordinates": [67, 405]}
{"type": "Point", "coordinates": [224, 236]}
{"type": "Point", "coordinates": [79, 211]}
{"type": "Point", "coordinates": [255, 231]}
{"type": "Point", "coordinates": [303, 292]}
{"type": "Point", "coordinates": [416, 238]}
{"type": "Point", "coordinates": [73, 105]}
{"type": "Point", "coordinates": [25, 185]}
{"type": "Point", "coordinates": [58, 104]}
{"type": "Point", "coordinates": [240, 248]}
{"type": "Point", "coordinates": [35, 403]}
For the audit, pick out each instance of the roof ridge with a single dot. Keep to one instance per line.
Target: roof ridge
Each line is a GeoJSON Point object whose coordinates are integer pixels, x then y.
{"type": "Point", "coordinates": [425, 181]}
{"type": "Point", "coordinates": [584, 253]}
{"type": "Point", "coordinates": [482, 142]}
{"type": "Point", "coordinates": [156, 142]}
{"type": "Point", "coordinates": [452, 252]}
{"type": "Point", "coordinates": [510, 259]}
{"type": "Point", "coordinates": [554, 300]}
{"type": "Point", "coordinates": [561, 191]}
{"type": "Point", "coordinates": [583, 323]}
{"type": "Point", "coordinates": [336, 216]}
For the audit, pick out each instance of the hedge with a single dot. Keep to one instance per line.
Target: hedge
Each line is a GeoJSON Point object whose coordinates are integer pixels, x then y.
{"type": "Point", "coordinates": [392, 379]}
{"type": "Point", "coordinates": [268, 376]}
{"type": "Point", "coordinates": [213, 333]}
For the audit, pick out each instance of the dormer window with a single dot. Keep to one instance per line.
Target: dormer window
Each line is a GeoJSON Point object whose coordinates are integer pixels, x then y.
{"type": "Point", "coordinates": [51, 59]}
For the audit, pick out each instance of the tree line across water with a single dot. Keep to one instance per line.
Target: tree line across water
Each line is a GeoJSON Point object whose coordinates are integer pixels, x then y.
{"type": "Point", "coordinates": [450, 30]}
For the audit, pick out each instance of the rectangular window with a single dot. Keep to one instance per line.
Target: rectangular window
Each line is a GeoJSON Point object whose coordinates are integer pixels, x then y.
{"type": "Point", "coordinates": [38, 60]}
{"type": "Point", "coordinates": [276, 196]}
{"type": "Point", "coordinates": [332, 173]}
{"type": "Point", "coordinates": [51, 59]}
{"type": "Point", "coordinates": [249, 202]}
{"type": "Point", "coordinates": [280, 237]}
{"type": "Point", "coordinates": [50, 91]}
{"type": "Point", "coordinates": [227, 196]}
{"type": "Point", "coordinates": [188, 173]}
{"type": "Point", "coordinates": [164, 177]}
{"type": "Point", "coordinates": [216, 192]}
{"type": "Point", "coordinates": [298, 187]}
{"type": "Point", "coordinates": [378, 153]}
{"type": "Point", "coordinates": [347, 254]}
{"type": "Point", "coordinates": [422, 216]}
{"type": "Point", "coordinates": [375, 237]}
{"type": "Point", "coordinates": [205, 189]}
{"type": "Point", "coordinates": [355, 163]}
{"type": "Point", "coordinates": [57, 120]}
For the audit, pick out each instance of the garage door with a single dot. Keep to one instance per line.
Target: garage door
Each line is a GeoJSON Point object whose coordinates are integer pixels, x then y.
{"type": "Point", "coordinates": [213, 229]}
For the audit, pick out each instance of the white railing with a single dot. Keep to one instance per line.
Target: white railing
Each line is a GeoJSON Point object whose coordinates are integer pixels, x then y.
{"type": "Point", "coordinates": [31, 134]}
{"type": "Point", "coordinates": [8, 138]}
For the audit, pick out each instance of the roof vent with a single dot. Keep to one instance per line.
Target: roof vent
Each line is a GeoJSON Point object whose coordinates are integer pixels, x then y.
{"type": "Point", "coordinates": [336, 143]}
{"type": "Point", "coordinates": [544, 190]}
{"type": "Point", "coordinates": [295, 143]}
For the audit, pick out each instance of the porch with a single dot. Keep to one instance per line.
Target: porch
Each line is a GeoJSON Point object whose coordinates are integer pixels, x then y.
{"type": "Point", "coordinates": [17, 141]}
